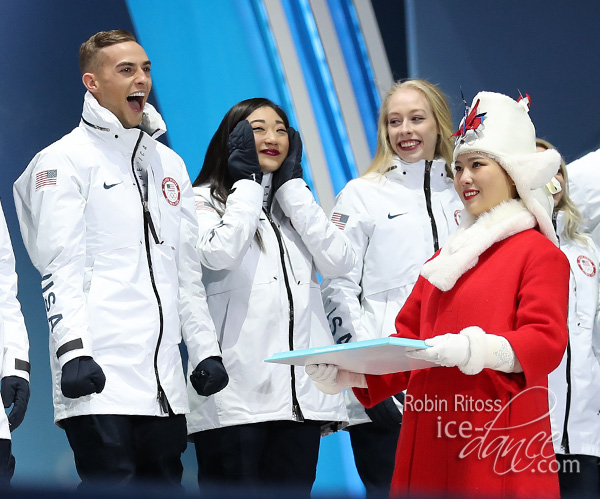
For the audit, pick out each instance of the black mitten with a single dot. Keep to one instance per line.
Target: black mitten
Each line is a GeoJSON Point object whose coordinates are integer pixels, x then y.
{"type": "Point", "coordinates": [15, 390]}
{"type": "Point", "coordinates": [209, 377]}
{"type": "Point", "coordinates": [81, 376]}
{"type": "Point", "coordinates": [291, 166]}
{"type": "Point", "coordinates": [386, 413]}
{"type": "Point", "coordinates": [243, 158]}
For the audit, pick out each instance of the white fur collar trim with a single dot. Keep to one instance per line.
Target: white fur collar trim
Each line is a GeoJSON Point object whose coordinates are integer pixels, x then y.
{"type": "Point", "coordinates": [462, 249]}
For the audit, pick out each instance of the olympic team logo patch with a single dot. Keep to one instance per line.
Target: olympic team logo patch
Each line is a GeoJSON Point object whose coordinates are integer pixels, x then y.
{"type": "Point", "coordinates": [457, 216]}
{"type": "Point", "coordinates": [586, 266]}
{"type": "Point", "coordinates": [171, 191]}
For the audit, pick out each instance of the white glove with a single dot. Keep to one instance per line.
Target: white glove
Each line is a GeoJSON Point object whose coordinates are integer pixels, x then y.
{"type": "Point", "coordinates": [448, 350]}
{"type": "Point", "coordinates": [331, 380]}
{"type": "Point", "coordinates": [489, 351]}
{"type": "Point", "coordinates": [471, 351]}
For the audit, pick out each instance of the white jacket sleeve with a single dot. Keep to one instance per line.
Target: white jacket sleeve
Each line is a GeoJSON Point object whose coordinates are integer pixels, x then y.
{"type": "Point", "coordinates": [197, 326]}
{"type": "Point", "coordinates": [16, 343]}
{"type": "Point", "coordinates": [331, 251]}
{"type": "Point", "coordinates": [53, 227]}
{"type": "Point", "coordinates": [341, 295]}
{"type": "Point", "coordinates": [223, 241]}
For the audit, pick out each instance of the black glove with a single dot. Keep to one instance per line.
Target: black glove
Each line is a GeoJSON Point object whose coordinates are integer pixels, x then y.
{"type": "Point", "coordinates": [15, 390]}
{"type": "Point", "coordinates": [243, 158]}
{"type": "Point", "coordinates": [81, 376]}
{"type": "Point", "coordinates": [386, 414]}
{"type": "Point", "coordinates": [291, 166]}
{"type": "Point", "coordinates": [209, 376]}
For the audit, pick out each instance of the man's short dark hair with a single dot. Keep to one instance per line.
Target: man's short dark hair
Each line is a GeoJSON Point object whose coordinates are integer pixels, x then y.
{"type": "Point", "coordinates": [88, 52]}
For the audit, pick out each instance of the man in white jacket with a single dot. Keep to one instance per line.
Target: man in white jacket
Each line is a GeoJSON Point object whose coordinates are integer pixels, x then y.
{"type": "Point", "coordinates": [14, 355]}
{"type": "Point", "coordinates": [108, 218]}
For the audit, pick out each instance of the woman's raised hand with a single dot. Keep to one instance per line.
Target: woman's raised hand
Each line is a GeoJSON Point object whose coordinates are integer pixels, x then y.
{"type": "Point", "coordinates": [291, 166]}
{"type": "Point", "coordinates": [243, 158]}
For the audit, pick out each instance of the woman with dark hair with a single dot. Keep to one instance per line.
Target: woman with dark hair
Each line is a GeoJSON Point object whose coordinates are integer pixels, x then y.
{"type": "Point", "coordinates": [263, 238]}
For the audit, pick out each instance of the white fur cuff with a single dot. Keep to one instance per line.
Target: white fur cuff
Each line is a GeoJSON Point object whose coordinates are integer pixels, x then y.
{"type": "Point", "coordinates": [477, 350]}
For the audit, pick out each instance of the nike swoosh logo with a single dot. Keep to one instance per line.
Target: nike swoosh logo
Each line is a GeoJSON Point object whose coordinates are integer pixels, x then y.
{"type": "Point", "coordinates": [390, 216]}
{"type": "Point", "coordinates": [110, 186]}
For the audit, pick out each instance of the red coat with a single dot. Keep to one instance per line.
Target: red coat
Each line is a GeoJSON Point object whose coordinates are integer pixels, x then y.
{"type": "Point", "coordinates": [486, 435]}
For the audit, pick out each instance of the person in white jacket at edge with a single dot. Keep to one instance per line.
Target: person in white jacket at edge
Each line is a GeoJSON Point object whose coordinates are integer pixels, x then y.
{"type": "Point", "coordinates": [574, 387]}
{"type": "Point", "coordinates": [584, 189]}
{"type": "Point", "coordinates": [263, 238]}
{"type": "Point", "coordinates": [396, 216]}
{"type": "Point", "coordinates": [14, 355]}
{"type": "Point", "coordinates": [107, 216]}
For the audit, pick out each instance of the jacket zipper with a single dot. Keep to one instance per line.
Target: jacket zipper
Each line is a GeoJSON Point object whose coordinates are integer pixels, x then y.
{"type": "Point", "coordinates": [149, 228]}
{"type": "Point", "coordinates": [565, 439]}
{"type": "Point", "coordinates": [427, 189]}
{"type": "Point", "coordinates": [564, 443]}
{"type": "Point", "coordinates": [297, 412]}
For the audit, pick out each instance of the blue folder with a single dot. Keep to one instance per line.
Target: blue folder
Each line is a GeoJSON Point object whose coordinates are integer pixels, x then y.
{"type": "Point", "coordinates": [379, 356]}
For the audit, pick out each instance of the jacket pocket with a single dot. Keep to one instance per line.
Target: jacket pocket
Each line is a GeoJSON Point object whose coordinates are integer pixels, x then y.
{"type": "Point", "coordinates": [257, 267]}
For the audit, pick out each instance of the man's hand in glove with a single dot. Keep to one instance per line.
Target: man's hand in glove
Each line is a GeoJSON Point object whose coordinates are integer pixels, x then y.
{"type": "Point", "coordinates": [15, 392]}
{"type": "Point", "coordinates": [81, 376]}
{"type": "Point", "coordinates": [209, 377]}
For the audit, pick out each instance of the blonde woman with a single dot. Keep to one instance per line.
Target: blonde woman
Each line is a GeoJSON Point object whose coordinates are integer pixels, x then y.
{"type": "Point", "coordinates": [396, 216]}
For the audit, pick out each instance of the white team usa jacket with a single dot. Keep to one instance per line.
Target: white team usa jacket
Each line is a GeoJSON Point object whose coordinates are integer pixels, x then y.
{"type": "Point", "coordinates": [14, 344]}
{"type": "Point", "coordinates": [395, 222]}
{"type": "Point", "coordinates": [574, 397]}
{"type": "Point", "coordinates": [267, 301]}
{"type": "Point", "coordinates": [120, 283]}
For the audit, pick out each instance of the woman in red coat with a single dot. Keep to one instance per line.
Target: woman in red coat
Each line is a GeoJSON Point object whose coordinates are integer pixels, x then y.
{"type": "Point", "coordinates": [492, 306]}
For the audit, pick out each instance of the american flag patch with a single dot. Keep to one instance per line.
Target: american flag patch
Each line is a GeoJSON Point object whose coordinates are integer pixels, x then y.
{"type": "Point", "coordinates": [339, 220]}
{"type": "Point", "coordinates": [47, 177]}
{"type": "Point", "coordinates": [203, 205]}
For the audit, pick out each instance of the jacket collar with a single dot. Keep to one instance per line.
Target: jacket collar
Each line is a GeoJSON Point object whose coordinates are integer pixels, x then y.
{"type": "Point", "coordinates": [104, 124]}
{"type": "Point", "coordinates": [473, 237]}
{"type": "Point", "coordinates": [412, 174]}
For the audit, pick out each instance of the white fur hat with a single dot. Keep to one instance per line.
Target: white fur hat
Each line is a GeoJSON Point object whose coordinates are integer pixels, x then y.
{"type": "Point", "coordinates": [500, 127]}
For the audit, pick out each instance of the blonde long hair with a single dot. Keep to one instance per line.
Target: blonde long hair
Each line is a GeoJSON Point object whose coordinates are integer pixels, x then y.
{"type": "Point", "coordinates": [441, 112]}
{"type": "Point", "coordinates": [573, 219]}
